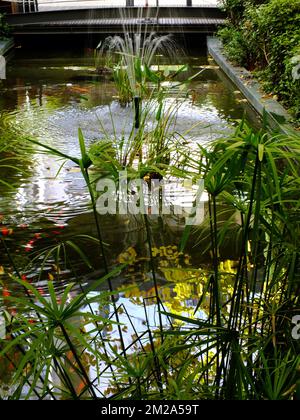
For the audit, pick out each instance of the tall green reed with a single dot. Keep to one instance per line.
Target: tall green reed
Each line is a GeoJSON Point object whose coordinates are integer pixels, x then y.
{"type": "Point", "coordinates": [256, 174]}
{"type": "Point", "coordinates": [243, 349]}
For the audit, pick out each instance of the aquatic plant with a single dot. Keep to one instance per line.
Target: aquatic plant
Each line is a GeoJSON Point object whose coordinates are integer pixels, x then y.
{"type": "Point", "coordinates": [144, 150]}
{"type": "Point", "coordinates": [242, 349]}
{"type": "Point", "coordinates": [131, 55]}
{"type": "Point", "coordinates": [73, 341]}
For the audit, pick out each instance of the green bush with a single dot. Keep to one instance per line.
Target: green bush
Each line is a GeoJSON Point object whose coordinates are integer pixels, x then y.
{"type": "Point", "coordinates": [4, 28]}
{"type": "Point", "coordinates": [266, 38]}
{"type": "Point", "coordinates": [236, 8]}
{"type": "Point", "coordinates": [235, 45]}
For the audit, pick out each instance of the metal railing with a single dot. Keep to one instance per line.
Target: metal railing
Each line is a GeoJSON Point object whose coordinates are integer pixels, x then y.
{"type": "Point", "coordinates": [24, 6]}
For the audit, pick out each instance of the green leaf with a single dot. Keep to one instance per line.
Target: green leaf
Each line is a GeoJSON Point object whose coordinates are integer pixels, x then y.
{"type": "Point", "coordinates": [261, 149]}
{"type": "Point", "coordinates": [80, 253]}
{"type": "Point", "coordinates": [85, 162]}
{"type": "Point", "coordinates": [185, 237]}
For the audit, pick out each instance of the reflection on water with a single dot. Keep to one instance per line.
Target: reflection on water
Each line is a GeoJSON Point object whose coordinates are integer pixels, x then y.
{"type": "Point", "coordinates": [46, 218]}
{"type": "Point", "coordinates": [49, 101]}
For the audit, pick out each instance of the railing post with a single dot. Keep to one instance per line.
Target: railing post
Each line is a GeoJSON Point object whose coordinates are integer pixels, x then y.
{"type": "Point", "coordinates": [24, 6]}
{"type": "Point", "coordinates": [129, 3]}
{"type": "Point", "coordinates": [28, 6]}
{"type": "Point", "coordinates": [189, 3]}
{"type": "Point", "coordinates": [33, 5]}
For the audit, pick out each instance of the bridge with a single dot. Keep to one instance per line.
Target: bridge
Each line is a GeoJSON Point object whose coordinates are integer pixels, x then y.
{"type": "Point", "coordinates": [52, 17]}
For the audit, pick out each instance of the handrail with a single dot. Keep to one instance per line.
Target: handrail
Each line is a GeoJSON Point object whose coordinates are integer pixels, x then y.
{"type": "Point", "coordinates": [24, 6]}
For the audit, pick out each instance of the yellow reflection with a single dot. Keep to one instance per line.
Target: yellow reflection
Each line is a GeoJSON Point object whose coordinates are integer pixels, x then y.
{"type": "Point", "coordinates": [181, 286]}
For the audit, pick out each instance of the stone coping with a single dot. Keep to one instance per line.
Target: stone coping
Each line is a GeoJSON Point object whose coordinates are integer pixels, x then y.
{"type": "Point", "coordinates": [278, 118]}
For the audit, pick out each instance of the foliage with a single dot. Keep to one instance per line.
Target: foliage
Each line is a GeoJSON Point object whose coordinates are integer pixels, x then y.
{"type": "Point", "coordinates": [236, 47]}
{"type": "Point", "coordinates": [241, 349]}
{"type": "Point", "coordinates": [145, 150]}
{"type": "Point", "coordinates": [266, 38]}
{"type": "Point", "coordinates": [71, 341]}
{"type": "Point", "coordinates": [128, 55]}
{"type": "Point", "coordinates": [4, 28]}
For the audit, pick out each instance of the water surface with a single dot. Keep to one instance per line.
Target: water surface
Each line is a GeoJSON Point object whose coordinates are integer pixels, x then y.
{"type": "Point", "coordinates": [48, 99]}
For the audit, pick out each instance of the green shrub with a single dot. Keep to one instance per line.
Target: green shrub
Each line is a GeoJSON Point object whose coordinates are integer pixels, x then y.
{"type": "Point", "coordinates": [276, 32]}
{"type": "Point", "coordinates": [236, 8]}
{"type": "Point", "coordinates": [235, 45]}
{"type": "Point", "coordinates": [267, 38]}
{"type": "Point", "coordinates": [4, 28]}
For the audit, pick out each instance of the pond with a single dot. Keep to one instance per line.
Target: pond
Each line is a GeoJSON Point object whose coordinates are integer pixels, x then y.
{"type": "Point", "coordinates": [46, 206]}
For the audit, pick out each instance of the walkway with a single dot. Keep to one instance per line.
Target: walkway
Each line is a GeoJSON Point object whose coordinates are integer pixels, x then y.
{"type": "Point", "coordinates": [47, 5]}
{"type": "Point", "coordinates": [86, 18]}
{"type": "Point", "coordinates": [54, 5]}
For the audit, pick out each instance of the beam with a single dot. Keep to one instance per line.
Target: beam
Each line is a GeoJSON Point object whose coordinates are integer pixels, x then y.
{"type": "Point", "coordinates": [108, 20]}
{"type": "Point", "coordinates": [111, 13]}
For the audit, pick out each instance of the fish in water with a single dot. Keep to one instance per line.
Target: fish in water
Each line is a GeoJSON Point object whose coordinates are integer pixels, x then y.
{"type": "Point", "coordinates": [78, 89]}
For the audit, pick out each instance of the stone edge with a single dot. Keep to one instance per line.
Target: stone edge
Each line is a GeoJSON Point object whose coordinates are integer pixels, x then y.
{"type": "Point", "coordinates": [251, 89]}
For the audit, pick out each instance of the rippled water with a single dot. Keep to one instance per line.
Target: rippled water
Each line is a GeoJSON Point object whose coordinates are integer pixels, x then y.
{"type": "Point", "coordinates": [48, 100]}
